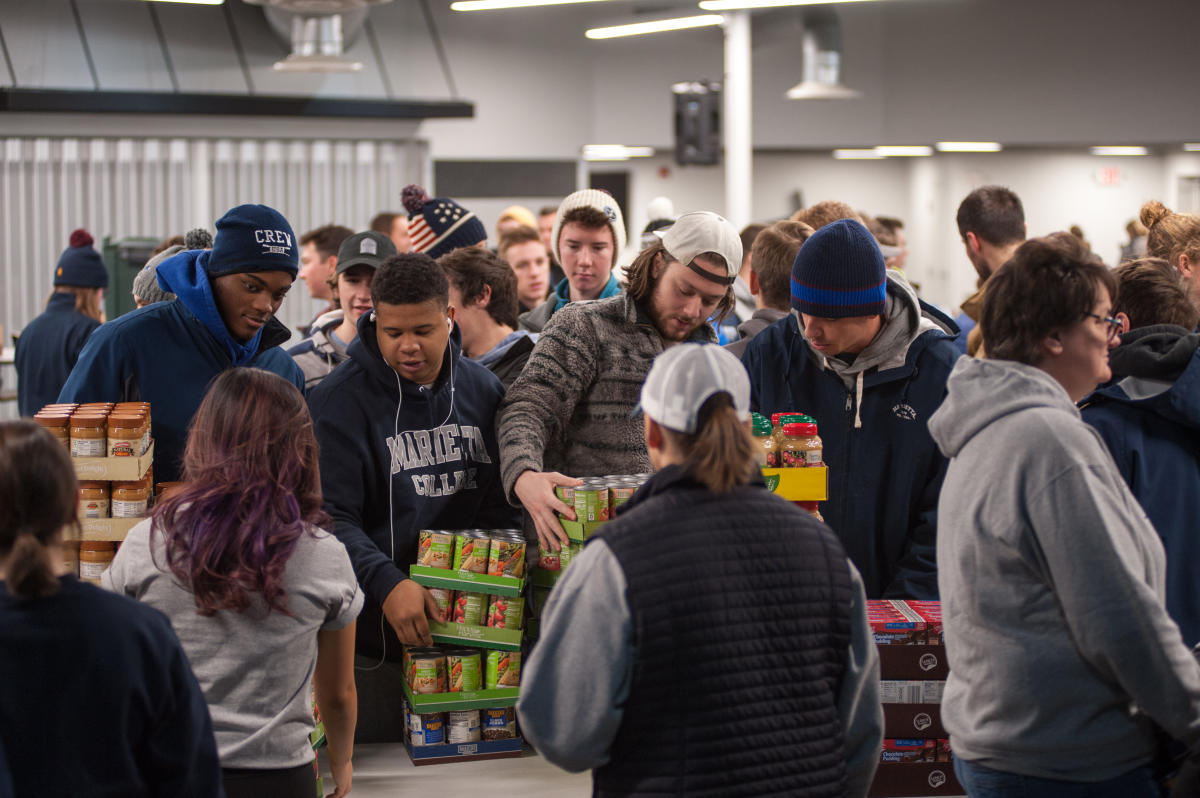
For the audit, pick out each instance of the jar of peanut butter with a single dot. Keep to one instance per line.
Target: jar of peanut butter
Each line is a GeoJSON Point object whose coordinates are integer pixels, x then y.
{"type": "Point", "coordinates": [125, 435]}
{"type": "Point", "coordinates": [131, 499]}
{"type": "Point", "coordinates": [93, 499]}
{"type": "Point", "coordinates": [88, 435]}
{"type": "Point", "coordinates": [57, 424]}
{"type": "Point", "coordinates": [94, 558]}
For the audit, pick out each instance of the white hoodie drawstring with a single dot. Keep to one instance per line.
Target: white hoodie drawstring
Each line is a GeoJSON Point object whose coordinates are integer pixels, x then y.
{"type": "Point", "coordinates": [858, 389]}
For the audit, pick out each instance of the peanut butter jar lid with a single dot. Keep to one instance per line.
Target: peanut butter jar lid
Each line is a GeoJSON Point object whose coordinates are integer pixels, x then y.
{"type": "Point", "coordinates": [88, 420]}
{"type": "Point", "coordinates": [96, 545]}
{"type": "Point", "coordinates": [125, 421]}
{"type": "Point", "coordinates": [53, 419]}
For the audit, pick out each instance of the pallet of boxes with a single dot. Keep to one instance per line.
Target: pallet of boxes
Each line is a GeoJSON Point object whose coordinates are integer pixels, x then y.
{"type": "Point", "coordinates": [461, 694]}
{"type": "Point", "coordinates": [915, 760]}
{"type": "Point", "coordinates": [112, 453]}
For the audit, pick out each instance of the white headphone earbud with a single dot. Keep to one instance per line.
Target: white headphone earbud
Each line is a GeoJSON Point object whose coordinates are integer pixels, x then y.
{"type": "Point", "coordinates": [372, 316]}
{"type": "Point", "coordinates": [449, 323]}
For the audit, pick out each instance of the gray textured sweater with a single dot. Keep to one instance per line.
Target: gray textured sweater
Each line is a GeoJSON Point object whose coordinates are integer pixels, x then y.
{"type": "Point", "coordinates": [571, 408]}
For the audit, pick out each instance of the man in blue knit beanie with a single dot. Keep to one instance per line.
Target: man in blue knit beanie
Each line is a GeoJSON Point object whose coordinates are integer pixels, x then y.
{"type": "Point", "coordinates": [869, 360]}
{"type": "Point", "coordinates": [168, 353]}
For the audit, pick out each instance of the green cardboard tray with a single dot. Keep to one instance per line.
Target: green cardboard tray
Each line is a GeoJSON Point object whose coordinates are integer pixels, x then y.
{"type": "Point", "coordinates": [477, 636]}
{"type": "Point", "coordinates": [465, 580]}
{"type": "Point", "coordinates": [543, 578]}
{"type": "Point", "coordinates": [579, 531]}
{"type": "Point", "coordinates": [453, 702]}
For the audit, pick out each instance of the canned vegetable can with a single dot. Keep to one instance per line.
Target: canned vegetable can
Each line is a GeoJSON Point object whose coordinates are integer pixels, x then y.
{"type": "Point", "coordinates": [435, 548]}
{"type": "Point", "coordinates": [503, 669]}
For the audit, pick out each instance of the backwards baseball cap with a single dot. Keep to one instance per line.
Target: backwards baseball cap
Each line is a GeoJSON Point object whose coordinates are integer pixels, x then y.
{"type": "Point", "coordinates": [80, 264]}
{"type": "Point", "coordinates": [704, 231]}
{"type": "Point", "coordinates": [364, 249]}
{"type": "Point", "coordinates": [683, 378]}
{"type": "Point", "coordinates": [253, 238]}
{"type": "Point", "coordinates": [840, 273]}
{"type": "Point", "coordinates": [601, 201]}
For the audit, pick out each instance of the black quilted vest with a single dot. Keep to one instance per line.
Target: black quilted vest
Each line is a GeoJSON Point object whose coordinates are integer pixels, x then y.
{"type": "Point", "coordinates": [740, 607]}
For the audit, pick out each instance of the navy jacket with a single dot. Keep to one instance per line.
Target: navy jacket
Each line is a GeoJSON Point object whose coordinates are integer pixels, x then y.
{"type": "Point", "coordinates": [168, 354]}
{"type": "Point", "coordinates": [884, 478]}
{"type": "Point", "coordinates": [97, 699]}
{"type": "Point", "coordinates": [397, 458]}
{"type": "Point", "coordinates": [1150, 419]}
{"type": "Point", "coordinates": [47, 350]}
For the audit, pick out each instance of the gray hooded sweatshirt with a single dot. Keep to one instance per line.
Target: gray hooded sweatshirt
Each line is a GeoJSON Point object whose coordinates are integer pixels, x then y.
{"type": "Point", "coordinates": [1052, 583]}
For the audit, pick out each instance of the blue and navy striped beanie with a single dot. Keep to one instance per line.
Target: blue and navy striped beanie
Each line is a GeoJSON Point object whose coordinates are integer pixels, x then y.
{"type": "Point", "coordinates": [839, 272]}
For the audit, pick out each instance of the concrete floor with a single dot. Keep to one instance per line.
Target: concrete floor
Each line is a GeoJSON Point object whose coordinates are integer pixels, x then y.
{"type": "Point", "coordinates": [383, 770]}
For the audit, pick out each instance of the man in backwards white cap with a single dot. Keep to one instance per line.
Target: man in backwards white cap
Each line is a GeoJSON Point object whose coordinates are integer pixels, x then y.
{"type": "Point", "coordinates": [569, 411]}
{"type": "Point", "coordinates": [720, 631]}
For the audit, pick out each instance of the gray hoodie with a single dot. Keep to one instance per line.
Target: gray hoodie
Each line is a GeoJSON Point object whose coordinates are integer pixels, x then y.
{"type": "Point", "coordinates": [1052, 583]}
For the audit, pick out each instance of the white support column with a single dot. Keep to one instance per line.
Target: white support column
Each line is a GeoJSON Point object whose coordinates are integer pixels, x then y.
{"type": "Point", "coordinates": [739, 142]}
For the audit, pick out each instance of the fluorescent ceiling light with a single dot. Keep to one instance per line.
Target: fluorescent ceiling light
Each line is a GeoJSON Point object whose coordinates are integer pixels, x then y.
{"type": "Point", "coordinates": [491, 5]}
{"type": "Point", "coordinates": [1122, 150]}
{"type": "Point", "coordinates": [656, 26]}
{"type": "Point", "coordinates": [614, 152]}
{"type": "Point", "coordinates": [731, 5]}
{"type": "Point", "coordinates": [191, 2]}
{"type": "Point", "coordinates": [1191, 147]}
{"type": "Point", "coordinates": [813, 90]}
{"type": "Point", "coordinates": [904, 151]}
{"type": "Point", "coordinates": [868, 154]}
{"type": "Point", "coordinates": [969, 146]}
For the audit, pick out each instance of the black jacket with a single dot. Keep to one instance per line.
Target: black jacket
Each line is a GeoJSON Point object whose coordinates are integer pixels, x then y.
{"type": "Point", "coordinates": [47, 350]}
{"type": "Point", "coordinates": [397, 458]}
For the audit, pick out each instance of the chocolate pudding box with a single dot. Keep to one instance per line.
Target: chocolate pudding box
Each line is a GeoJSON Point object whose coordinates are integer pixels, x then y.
{"type": "Point", "coordinates": [915, 750]}
{"type": "Point", "coordinates": [893, 623]}
{"type": "Point", "coordinates": [931, 613]}
{"type": "Point", "coordinates": [894, 691]}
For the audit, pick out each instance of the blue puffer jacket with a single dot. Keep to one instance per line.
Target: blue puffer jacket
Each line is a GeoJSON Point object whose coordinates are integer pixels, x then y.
{"type": "Point", "coordinates": [1150, 419]}
{"type": "Point", "coordinates": [885, 471]}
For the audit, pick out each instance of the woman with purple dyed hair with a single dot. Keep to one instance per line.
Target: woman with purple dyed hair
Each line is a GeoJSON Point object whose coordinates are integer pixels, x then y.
{"type": "Point", "coordinates": [261, 597]}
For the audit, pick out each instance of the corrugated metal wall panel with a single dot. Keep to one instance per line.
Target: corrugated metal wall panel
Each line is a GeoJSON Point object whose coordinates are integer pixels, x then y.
{"type": "Point", "coordinates": [159, 187]}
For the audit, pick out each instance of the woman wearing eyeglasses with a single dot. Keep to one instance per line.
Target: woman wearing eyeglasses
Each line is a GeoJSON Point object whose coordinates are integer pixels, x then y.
{"type": "Point", "coordinates": [1052, 580]}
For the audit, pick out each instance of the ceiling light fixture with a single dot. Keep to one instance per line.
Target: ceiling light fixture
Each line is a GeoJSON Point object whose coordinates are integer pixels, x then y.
{"type": "Point", "coordinates": [614, 152]}
{"type": "Point", "coordinates": [492, 5]}
{"type": "Point", "coordinates": [733, 5]}
{"type": "Point", "coordinates": [968, 146]}
{"type": "Point", "coordinates": [1191, 147]}
{"type": "Point", "coordinates": [904, 151]}
{"type": "Point", "coordinates": [1120, 150]}
{"type": "Point", "coordinates": [191, 2]}
{"type": "Point", "coordinates": [867, 154]}
{"type": "Point", "coordinates": [655, 26]}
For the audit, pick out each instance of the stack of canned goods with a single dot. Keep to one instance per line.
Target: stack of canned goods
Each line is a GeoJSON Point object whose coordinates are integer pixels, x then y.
{"type": "Point", "coordinates": [499, 552]}
{"type": "Point", "coordinates": [596, 499]}
{"type": "Point", "coordinates": [463, 726]}
{"type": "Point", "coordinates": [440, 669]}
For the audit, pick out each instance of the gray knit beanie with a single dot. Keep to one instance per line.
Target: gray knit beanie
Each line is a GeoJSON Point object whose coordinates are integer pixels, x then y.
{"type": "Point", "coordinates": [145, 284]}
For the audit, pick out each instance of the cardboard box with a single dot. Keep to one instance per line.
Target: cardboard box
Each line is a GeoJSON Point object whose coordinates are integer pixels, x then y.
{"type": "Point", "coordinates": [453, 702]}
{"type": "Point", "coordinates": [931, 612]}
{"type": "Point", "coordinates": [113, 469]}
{"type": "Point", "coordinates": [913, 750]}
{"type": "Point", "coordinates": [914, 662]}
{"type": "Point", "coordinates": [580, 531]}
{"type": "Point", "coordinates": [893, 623]}
{"type": "Point", "coordinates": [477, 636]}
{"type": "Point", "coordinates": [899, 691]}
{"type": "Point", "coordinates": [915, 779]}
{"type": "Point", "coordinates": [463, 752]}
{"type": "Point", "coordinates": [913, 720]}
{"type": "Point", "coordinates": [508, 586]}
{"type": "Point", "coordinates": [799, 484]}
{"type": "Point", "coordinates": [107, 528]}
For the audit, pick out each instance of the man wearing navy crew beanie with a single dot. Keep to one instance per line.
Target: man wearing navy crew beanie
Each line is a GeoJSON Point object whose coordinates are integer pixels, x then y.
{"type": "Point", "coordinates": [224, 316]}
{"type": "Point", "coordinates": [869, 360]}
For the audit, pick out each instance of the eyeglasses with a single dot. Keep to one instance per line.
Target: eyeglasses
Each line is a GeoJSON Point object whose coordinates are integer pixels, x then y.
{"type": "Point", "coordinates": [1114, 325]}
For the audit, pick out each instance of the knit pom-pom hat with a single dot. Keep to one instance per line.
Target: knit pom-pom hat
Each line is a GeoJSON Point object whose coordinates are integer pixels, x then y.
{"type": "Point", "coordinates": [437, 225]}
{"type": "Point", "coordinates": [80, 264]}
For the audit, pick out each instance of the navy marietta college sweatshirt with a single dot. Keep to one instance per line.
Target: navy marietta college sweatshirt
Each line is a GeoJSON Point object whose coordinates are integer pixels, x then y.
{"type": "Point", "coordinates": [397, 458]}
{"type": "Point", "coordinates": [168, 354]}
